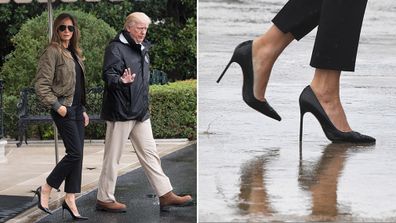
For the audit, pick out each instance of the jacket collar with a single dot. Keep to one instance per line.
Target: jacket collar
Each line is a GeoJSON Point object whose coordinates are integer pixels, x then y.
{"type": "Point", "coordinates": [124, 38]}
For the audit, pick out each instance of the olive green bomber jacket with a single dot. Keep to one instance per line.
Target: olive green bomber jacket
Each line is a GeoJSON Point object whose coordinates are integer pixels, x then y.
{"type": "Point", "coordinates": [55, 77]}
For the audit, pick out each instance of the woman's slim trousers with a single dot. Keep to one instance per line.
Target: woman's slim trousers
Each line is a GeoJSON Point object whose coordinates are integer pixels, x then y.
{"type": "Point", "coordinates": [339, 24]}
{"type": "Point", "coordinates": [69, 169]}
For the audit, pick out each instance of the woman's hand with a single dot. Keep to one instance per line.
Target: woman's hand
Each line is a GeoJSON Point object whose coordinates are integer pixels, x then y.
{"type": "Point", "coordinates": [62, 111]}
{"type": "Point", "coordinates": [86, 118]}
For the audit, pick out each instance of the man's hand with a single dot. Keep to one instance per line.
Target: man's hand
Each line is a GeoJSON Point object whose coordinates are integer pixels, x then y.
{"type": "Point", "coordinates": [128, 77]}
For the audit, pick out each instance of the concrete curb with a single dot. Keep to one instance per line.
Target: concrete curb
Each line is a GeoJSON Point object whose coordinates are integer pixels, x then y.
{"type": "Point", "coordinates": [87, 141]}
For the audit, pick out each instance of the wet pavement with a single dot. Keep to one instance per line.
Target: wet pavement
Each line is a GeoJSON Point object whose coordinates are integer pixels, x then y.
{"type": "Point", "coordinates": [134, 190]}
{"type": "Point", "coordinates": [26, 167]}
{"type": "Point", "coordinates": [250, 168]}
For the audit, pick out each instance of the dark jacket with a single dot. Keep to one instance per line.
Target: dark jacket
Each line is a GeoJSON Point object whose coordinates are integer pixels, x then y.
{"type": "Point", "coordinates": [122, 102]}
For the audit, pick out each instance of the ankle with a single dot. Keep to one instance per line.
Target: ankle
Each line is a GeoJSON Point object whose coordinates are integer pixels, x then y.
{"type": "Point", "coordinates": [326, 95]}
{"type": "Point", "coordinates": [326, 82]}
{"type": "Point", "coordinates": [267, 51]}
{"type": "Point", "coordinates": [46, 189]}
{"type": "Point", "coordinates": [69, 201]}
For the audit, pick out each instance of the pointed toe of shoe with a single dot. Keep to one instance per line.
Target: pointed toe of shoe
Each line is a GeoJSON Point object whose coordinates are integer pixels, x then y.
{"type": "Point", "coordinates": [353, 137]}
{"type": "Point", "coordinates": [263, 107]}
{"type": "Point", "coordinates": [277, 117]}
{"type": "Point", "coordinates": [366, 139]}
{"type": "Point", "coordinates": [46, 210]}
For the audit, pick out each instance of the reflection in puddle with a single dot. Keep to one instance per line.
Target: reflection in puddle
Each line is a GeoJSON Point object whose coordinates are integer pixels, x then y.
{"type": "Point", "coordinates": [321, 179]}
{"type": "Point", "coordinates": [253, 196]}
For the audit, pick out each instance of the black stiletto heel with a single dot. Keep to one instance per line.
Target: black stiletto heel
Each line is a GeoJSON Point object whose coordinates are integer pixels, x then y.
{"type": "Point", "coordinates": [302, 112]}
{"type": "Point", "coordinates": [309, 103]}
{"type": "Point", "coordinates": [76, 218]}
{"type": "Point", "coordinates": [38, 193]}
{"type": "Point", "coordinates": [243, 56]}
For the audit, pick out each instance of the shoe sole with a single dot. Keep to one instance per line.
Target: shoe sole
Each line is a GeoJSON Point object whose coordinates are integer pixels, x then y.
{"type": "Point", "coordinates": [167, 208]}
{"type": "Point", "coordinates": [98, 208]}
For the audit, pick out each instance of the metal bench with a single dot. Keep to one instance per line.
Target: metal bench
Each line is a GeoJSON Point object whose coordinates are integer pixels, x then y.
{"type": "Point", "coordinates": [30, 110]}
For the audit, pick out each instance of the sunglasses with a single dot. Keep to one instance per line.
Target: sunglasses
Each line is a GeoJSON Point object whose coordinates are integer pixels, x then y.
{"type": "Point", "coordinates": [63, 28]}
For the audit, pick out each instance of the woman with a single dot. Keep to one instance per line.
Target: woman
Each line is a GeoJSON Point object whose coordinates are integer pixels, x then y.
{"type": "Point", "coordinates": [60, 86]}
{"type": "Point", "coordinates": [339, 23]}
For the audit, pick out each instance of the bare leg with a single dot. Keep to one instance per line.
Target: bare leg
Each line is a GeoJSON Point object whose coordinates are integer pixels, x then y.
{"type": "Point", "coordinates": [45, 194]}
{"type": "Point", "coordinates": [326, 86]}
{"type": "Point", "coordinates": [70, 200]}
{"type": "Point", "coordinates": [265, 51]}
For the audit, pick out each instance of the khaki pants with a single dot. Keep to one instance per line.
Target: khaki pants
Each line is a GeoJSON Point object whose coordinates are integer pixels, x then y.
{"type": "Point", "coordinates": [142, 139]}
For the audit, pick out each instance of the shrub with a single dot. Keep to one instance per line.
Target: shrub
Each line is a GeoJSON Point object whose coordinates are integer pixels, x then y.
{"type": "Point", "coordinates": [12, 16]}
{"type": "Point", "coordinates": [173, 110]}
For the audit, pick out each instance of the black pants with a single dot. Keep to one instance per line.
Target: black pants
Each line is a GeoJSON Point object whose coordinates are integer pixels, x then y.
{"type": "Point", "coordinates": [69, 169]}
{"type": "Point", "coordinates": [339, 24]}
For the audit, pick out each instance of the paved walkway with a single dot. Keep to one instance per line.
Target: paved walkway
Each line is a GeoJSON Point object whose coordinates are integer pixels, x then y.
{"type": "Point", "coordinates": [24, 169]}
{"type": "Point", "coordinates": [134, 190]}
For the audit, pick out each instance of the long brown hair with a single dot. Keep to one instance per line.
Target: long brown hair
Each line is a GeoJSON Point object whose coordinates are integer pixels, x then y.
{"type": "Point", "coordinates": [74, 41]}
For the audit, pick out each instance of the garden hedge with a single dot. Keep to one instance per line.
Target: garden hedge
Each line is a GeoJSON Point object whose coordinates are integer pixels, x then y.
{"type": "Point", "coordinates": [174, 109]}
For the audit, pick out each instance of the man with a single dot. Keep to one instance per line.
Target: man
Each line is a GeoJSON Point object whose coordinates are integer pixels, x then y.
{"type": "Point", "coordinates": [126, 111]}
